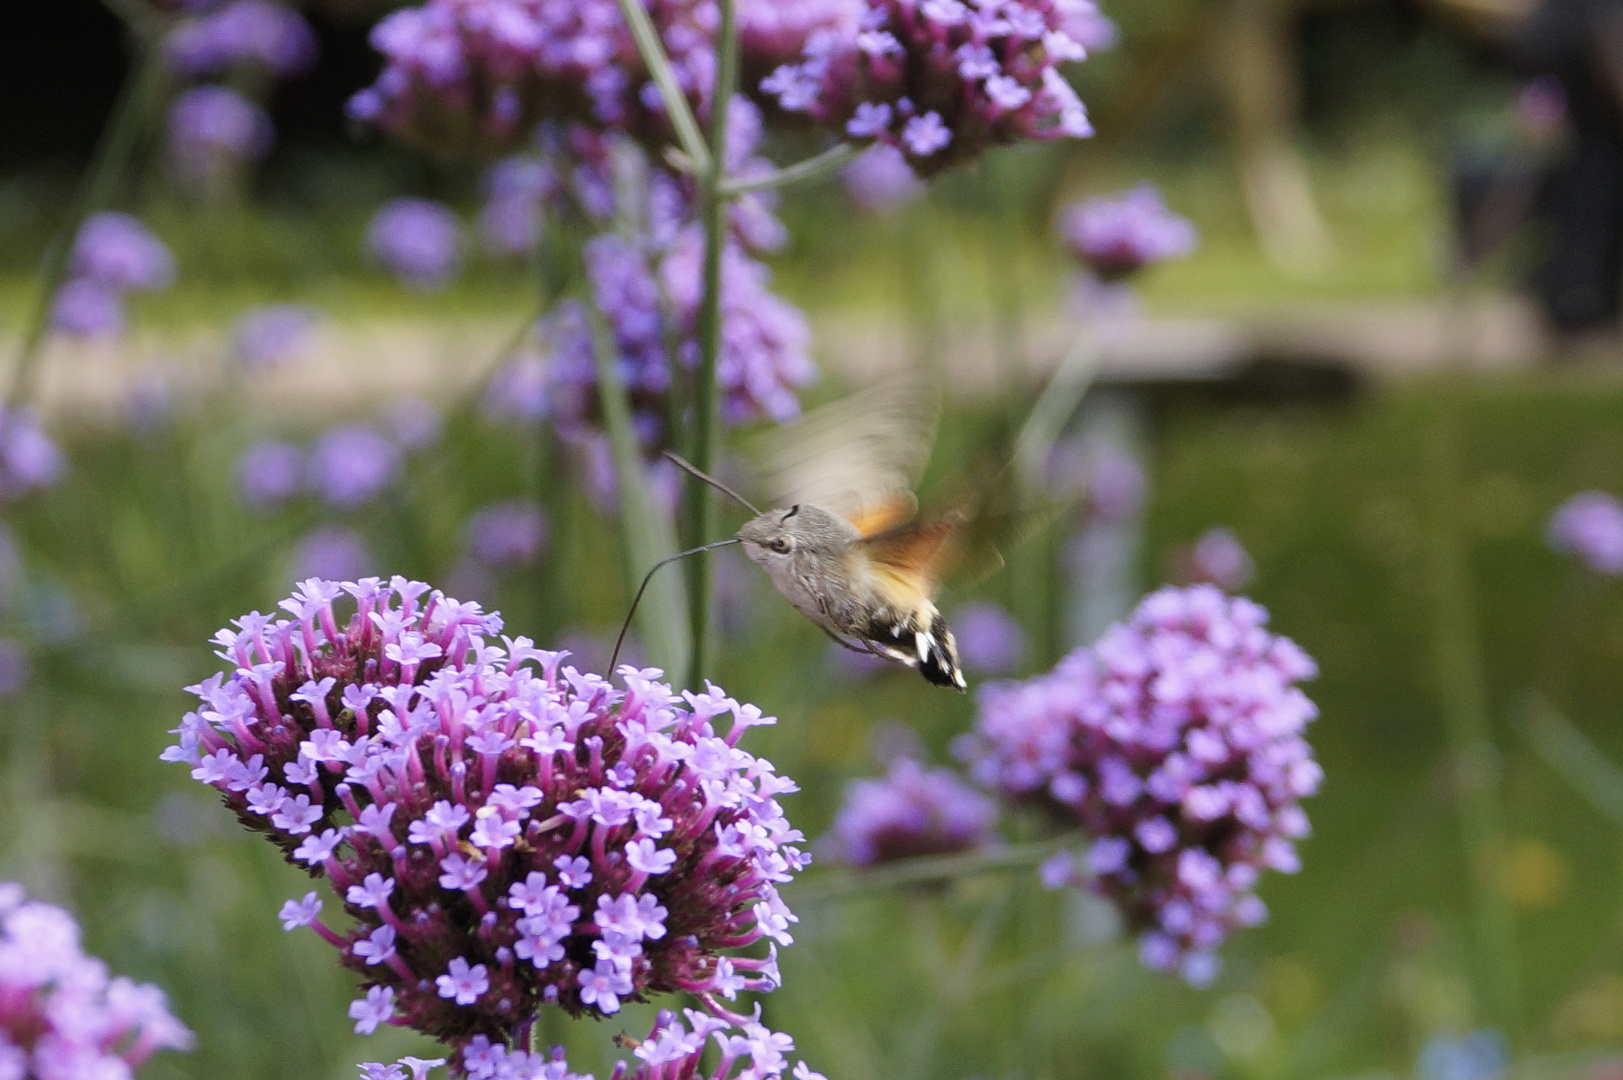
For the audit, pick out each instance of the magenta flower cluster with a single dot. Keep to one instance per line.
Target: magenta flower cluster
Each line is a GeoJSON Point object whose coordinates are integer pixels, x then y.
{"type": "Point", "coordinates": [113, 254]}
{"type": "Point", "coordinates": [1176, 743]}
{"type": "Point", "coordinates": [62, 1017]}
{"type": "Point", "coordinates": [505, 831]}
{"type": "Point", "coordinates": [1590, 526]}
{"type": "Point", "coordinates": [943, 80]}
{"type": "Point", "coordinates": [911, 811]}
{"type": "Point", "coordinates": [1116, 236]}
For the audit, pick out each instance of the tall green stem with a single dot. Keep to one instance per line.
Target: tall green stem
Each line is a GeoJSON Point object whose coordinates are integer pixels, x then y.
{"type": "Point", "coordinates": [142, 88]}
{"type": "Point", "coordinates": [699, 518]}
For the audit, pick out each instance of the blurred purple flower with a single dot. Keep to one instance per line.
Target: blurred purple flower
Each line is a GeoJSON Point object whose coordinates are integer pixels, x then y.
{"type": "Point", "coordinates": [1121, 234]}
{"type": "Point", "coordinates": [1541, 108]}
{"type": "Point", "coordinates": [419, 240]}
{"type": "Point", "coordinates": [254, 32]}
{"type": "Point", "coordinates": [1219, 558]}
{"type": "Point", "coordinates": [942, 81]}
{"type": "Point", "coordinates": [1089, 27]}
{"type": "Point", "coordinates": [1176, 743]}
{"type": "Point", "coordinates": [506, 534]}
{"type": "Point", "coordinates": [352, 464]}
{"type": "Point", "coordinates": [517, 391]}
{"type": "Point", "coordinates": [332, 552]}
{"type": "Point", "coordinates": [117, 252]}
{"type": "Point", "coordinates": [1590, 526]}
{"type": "Point", "coordinates": [1108, 477]}
{"type": "Point", "coordinates": [912, 811]}
{"type": "Point", "coordinates": [85, 309]}
{"type": "Point", "coordinates": [150, 404]}
{"type": "Point", "coordinates": [14, 673]}
{"type": "Point", "coordinates": [990, 640]}
{"type": "Point", "coordinates": [414, 423]}
{"type": "Point", "coordinates": [29, 460]}
{"type": "Point", "coordinates": [1480, 1055]}
{"type": "Point", "coordinates": [61, 1015]}
{"type": "Point", "coordinates": [517, 189]}
{"type": "Point", "coordinates": [558, 840]}
{"type": "Point", "coordinates": [270, 472]}
{"type": "Point", "coordinates": [267, 337]}
{"type": "Point", "coordinates": [854, 666]}
{"type": "Point", "coordinates": [214, 127]}
{"type": "Point", "coordinates": [881, 180]}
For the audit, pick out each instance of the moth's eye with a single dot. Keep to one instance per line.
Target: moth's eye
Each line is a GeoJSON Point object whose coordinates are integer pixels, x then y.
{"type": "Point", "coordinates": [781, 545]}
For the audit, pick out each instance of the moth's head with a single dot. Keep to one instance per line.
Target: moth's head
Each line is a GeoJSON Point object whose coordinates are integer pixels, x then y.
{"type": "Point", "coordinates": [779, 536]}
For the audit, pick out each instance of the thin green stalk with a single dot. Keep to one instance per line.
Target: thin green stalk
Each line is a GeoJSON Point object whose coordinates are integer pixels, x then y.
{"type": "Point", "coordinates": [1569, 752]}
{"type": "Point", "coordinates": [700, 502]}
{"type": "Point", "coordinates": [136, 101]}
{"type": "Point", "coordinates": [676, 103]}
{"type": "Point", "coordinates": [1462, 687]}
{"type": "Point", "coordinates": [924, 870]}
{"type": "Point", "coordinates": [810, 169]}
{"type": "Point", "coordinates": [648, 534]}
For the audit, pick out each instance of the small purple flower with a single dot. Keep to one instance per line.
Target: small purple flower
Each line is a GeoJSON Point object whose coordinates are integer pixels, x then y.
{"type": "Point", "coordinates": [414, 423]}
{"type": "Point", "coordinates": [912, 811]}
{"type": "Point", "coordinates": [245, 32]}
{"type": "Point", "coordinates": [1590, 526]}
{"type": "Point", "coordinates": [419, 240]}
{"type": "Point", "coordinates": [85, 309]}
{"type": "Point", "coordinates": [1218, 557]}
{"type": "Point", "coordinates": [269, 473]}
{"type": "Point", "coordinates": [333, 552]}
{"type": "Point", "coordinates": [29, 460]}
{"type": "Point", "coordinates": [1119, 235]}
{"type": "Point", "coordinates": [377, 1007]}
{"type": "Point", "coordinates": [267, 337]}
{"type": "Point", "coordinates": [212, 128]}
{"type": "Point", "coordinates": [352, 464]}
{"type": "Point", "coordinates": [14, 667]}
{"type": "Point", "coordinates": [990, 640]}
{"type": "Point", "coordinates": [880, 180]}
{"type": "Point", "coordinates": [1176, 743]}
{"type": "Point", "coordinates": [117, 252]}
{"type": "Point", "coordinates": [61, 1014]}
{"type": "Point", "coordinates": [504, 534]}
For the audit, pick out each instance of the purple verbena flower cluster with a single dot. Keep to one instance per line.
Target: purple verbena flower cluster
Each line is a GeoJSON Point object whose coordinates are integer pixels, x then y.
{"type": "Point", "coordinates": [243, 33]}
{"type": "Point", "coordinates": [419, 240]}
{"type": "Point", "coordinates": [29, 460]}
{"type": "Point", "coordinates": [1219, 558]}
{"type": "Point", "coordinates": [1116, 236]}
{"type": "Point", "coordinates": [113, 254]}
{"type": "Point", "coordinates": [1590, 526]}
{"type": "Point", "coordinates": [507, 534]}
{"type": "Point", "coordinates": [269, 336]}
{"type": "Point", "coordinates": [1176, 742]}
{"type": "Point", "coordinates": [911, 811]}
{"type": "Point", "coordinates": [943, 80]}
{"type": "Point", "coordinates": [505, 830]}
{"type": "Point", "coordinates": [349, 466]}
{"type": "Point", "coordinates": [213, 129]}
{"type": "Point", "coordinates": [61, 1016]}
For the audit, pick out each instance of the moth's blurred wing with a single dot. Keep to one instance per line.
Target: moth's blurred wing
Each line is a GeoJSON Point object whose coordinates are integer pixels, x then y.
{"type": "Point", "coordinates": [916, 555]}
{"type": "Point", "coordinates": [859, 457]}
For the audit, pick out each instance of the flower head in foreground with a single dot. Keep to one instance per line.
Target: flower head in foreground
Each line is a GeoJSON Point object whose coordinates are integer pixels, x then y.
{"type": "Point", "coordinates": [511, 533]}
{"type": "Point", "coordinates": [61, 1016]}
{"type": "Point", "coordinates": [29, 460]}
{"type": "Point", "coordinates": [1176, 743]}
{"type": "Point", "coordinates": [505, 830]}
{"type": "Point", "coordinates": [1116, 236]}
{"type": "Point", "coordinates": [419, 240]}
{"type": "Point", "coordinates": [942, 80]}
{"type": "Point", "coordinates": [912, 811]}
{"type": "Point", "coordinates": [246, 32]}
{"type": "Point", "coordinates": [1590, 526]}
{"type": "Point", "coordinates": [213, 128]}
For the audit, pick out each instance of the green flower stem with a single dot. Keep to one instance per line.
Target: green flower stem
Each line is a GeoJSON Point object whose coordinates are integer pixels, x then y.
{"type": "Point", "coordinates": [924, 870]}
{"type": "Point", "coordinates": [1462, 689]}
{"type": "Point", "coordinates": [137, 100]}
{"type": "Point", "coordinates": [648, 534]}
{"type": "Point", "coordinates": [810, 169]}
{"type": "Point", "coordinates": [1569, 752]}
{"type": "Point", "coordinates": [699, 517]}
{"type": "Point", "coordinates": [676, 103]}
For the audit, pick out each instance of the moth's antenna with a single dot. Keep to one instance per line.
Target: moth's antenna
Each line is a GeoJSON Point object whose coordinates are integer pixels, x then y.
{"type": "Point", "coordinates": [650, 576]}
{"type": "Point", "coordinates": [688, 467]}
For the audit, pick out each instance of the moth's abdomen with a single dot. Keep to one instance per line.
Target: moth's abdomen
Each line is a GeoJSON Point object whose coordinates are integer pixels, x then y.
{"type": "Point", "coordinates": [922, 641]}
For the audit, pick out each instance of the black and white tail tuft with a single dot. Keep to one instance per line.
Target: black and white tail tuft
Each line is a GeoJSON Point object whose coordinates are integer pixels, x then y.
{"type": "Point", "coordinates": [939, 662]}
{"type": "Point", "coordinates": [931, 649]}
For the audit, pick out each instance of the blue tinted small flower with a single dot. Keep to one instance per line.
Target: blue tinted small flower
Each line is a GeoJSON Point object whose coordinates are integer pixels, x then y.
{"type": "Point", "coordinates": [86, 309]}
{"type": "Point", "coordinates": [267, 337]}
{"type": "Point", "coordinates": [245, 32]}
{"type": "Point", "coordinates": [61, 1014]}
{"type": "Point", "coordinates": [212, 128]}
{"type": "Point", "coordinates": [990, 640]}
{"type": "Point", "coordinates": [352, 464]}
{"type": "Point", "coordinates": [1480, 1055]}
{"type": "Point", "coordinates": [269, 473]}
{"type": "Point", "coordinates": [1590, 526]}
{"type": "Point", "coordinates": [418, 240]}
{"type": "Point", "coordinates": [912, 811]}
{"type": "Point", "coordinates": [1119, 235]}
{"type": "Point", "coordinates": [117, 252]}
{"type": "Point", "coordinates": [512, 533]}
